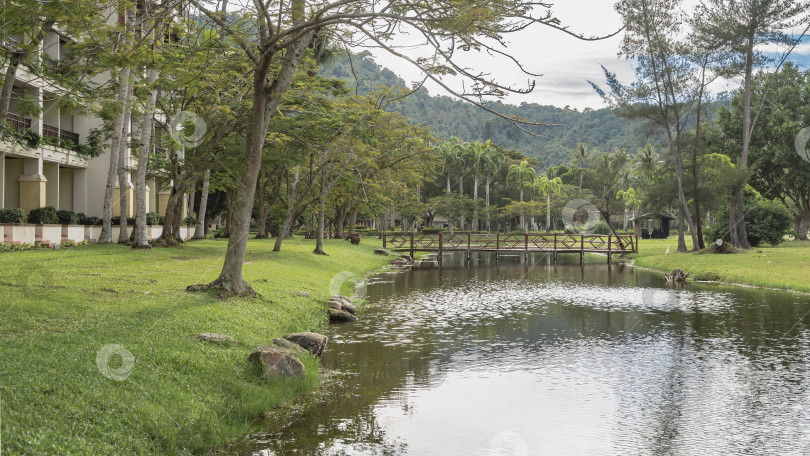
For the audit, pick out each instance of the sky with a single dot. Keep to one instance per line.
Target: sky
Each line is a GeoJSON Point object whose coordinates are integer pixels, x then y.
{"type": "Point", "coordinates": [566, 63]}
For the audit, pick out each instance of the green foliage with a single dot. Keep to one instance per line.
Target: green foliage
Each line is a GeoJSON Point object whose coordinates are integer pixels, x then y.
{"type": "Point", "coordinates": [83, 219]}
{"type": "Point", "coordinates": [765, 221]}
{"type": "Point", "coordinates": [43, 215]}
{"type": "Point", "coordinates": [599, 228]}
{"type": "Point", "coordinates": [66, 217]}
{"type": "Point", "coordinates": [598, 129]}
{"type": "Point", "coordinates": [432, 230]}
{"type": "Point", "coordinates": [190, 220]}
{"type": "Point", "coordinates": [154, 219]}
{"type": "Point", "coordinates": [12, 215]}
{"type": "Point", "coordinates": [117, 220]}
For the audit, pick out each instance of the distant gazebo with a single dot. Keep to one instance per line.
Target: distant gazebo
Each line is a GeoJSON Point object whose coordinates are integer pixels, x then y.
{"type": "Point", "coordinates": [653, 225]}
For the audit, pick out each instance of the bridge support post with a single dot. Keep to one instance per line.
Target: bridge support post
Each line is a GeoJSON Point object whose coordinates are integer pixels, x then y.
{"type": "Point", "coordinates": [609, 247]}
{"type": "Point", "coordinates": [411, 244]}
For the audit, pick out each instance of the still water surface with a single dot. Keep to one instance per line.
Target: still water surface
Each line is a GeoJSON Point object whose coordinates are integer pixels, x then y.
{"type": "Point", "coordinates": [528, 358]}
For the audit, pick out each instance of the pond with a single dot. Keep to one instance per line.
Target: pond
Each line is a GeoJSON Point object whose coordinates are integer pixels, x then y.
{"type": "Point", "coordinates": [525, 357]}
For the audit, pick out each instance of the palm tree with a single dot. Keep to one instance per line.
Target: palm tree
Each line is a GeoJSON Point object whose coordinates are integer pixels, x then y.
{"type": "Point", "coordinates": [522, 174]}
{"type": "Point", "coordinates": [477, 155]}
{"type": "Point", "coordinates": [493, 161]}
{"type": "Point", "coordinates": [581, 155]}
{"type": "Point", "coordinates": [631, 200]}
{"type": "Point", "coordinates": [547, 185]}
{"type": "Point", "coordinates": [646, 163]}
{"type": "Point", "coordinates": [447, 154]}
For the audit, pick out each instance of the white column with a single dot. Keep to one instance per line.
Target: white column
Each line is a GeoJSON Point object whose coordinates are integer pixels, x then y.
{"type": "Point", "coordinates": [80, 191]}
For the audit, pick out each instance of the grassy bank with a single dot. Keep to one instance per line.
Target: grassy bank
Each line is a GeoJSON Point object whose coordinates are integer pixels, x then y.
{"type": "Point", "coordinates": [784, 266]}
{"type": "Point", "coordinates": [59, 309]}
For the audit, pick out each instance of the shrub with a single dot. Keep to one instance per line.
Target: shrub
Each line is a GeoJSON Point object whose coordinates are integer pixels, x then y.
{"type": "Point", "coordinates": [432, 230]}
{"type": "Point", "coordinates": [43, 215]}
{"type": "Point", "coordinates": [117, 220]}
{"type": "Point", "coordinates": [82, 219]}
{"type": "Point", "coordinates": [12, 215]}
{"type": "Point", "coordinates": [600, 228]}
{"type": "Point", "coordinates": [66, 217]}
{"type": "Point", "coordinates": [765, 222]}
{"type": "Point", "coordinates": [192, 221]}
{"type": "Point", "coordinates": [153, 218]}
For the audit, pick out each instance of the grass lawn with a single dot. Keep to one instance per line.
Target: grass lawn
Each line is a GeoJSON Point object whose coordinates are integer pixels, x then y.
{"type": "Point", "coordinates": [59, 309]}
{"type": "Point", "coordinates": [785, 266]}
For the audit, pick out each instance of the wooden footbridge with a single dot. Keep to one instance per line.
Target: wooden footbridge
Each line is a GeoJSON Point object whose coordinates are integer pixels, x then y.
{"type": "Point", "coordinates": [554, 243]}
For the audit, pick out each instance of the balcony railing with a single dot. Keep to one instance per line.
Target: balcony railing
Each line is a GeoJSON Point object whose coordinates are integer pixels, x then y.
{"type": "Point", "coordinates": [50, 63]}
{"type": "Point", "coordinates": [17, 122]}
{"type": "Point", "coordinates": [10, 43]}
{"type": "Point", "coordinates": [49, 131]}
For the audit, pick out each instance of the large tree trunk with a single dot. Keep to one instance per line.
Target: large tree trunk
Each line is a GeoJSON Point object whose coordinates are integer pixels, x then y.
{"type": "Point", "coordinates": [199, 231]}
{"type": "Point", "coordinates": [123, 172]}
{"type": "Point", "coordinates": [266, 101]}
{"type": "Point", "coordinates": [353, 221]}
{"type": "Point", "coordinates": [737, 229]}
{"type": "Point", "coordinates": [141, 239]}
{"type": "Point", "coordinates": [112, 171]}
{"type": "Point", "coordinates": [293, 204]}
{"type": "Point", "coordinates": [340, 218]}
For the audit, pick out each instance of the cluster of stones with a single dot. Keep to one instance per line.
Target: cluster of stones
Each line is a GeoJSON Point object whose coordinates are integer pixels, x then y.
{"type": "Point", "coordinates": [341, 309]}
{"type": "Point", "coordinates": [404, 261]}
{"type": "Point", "coordinates": [280, 358]}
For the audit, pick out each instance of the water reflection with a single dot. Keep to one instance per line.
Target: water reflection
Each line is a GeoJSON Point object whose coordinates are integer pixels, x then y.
{"type": "Point", "coordinates": [530, 357]}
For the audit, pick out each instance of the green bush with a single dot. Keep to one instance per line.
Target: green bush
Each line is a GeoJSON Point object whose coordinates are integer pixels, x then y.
{"type": "Point", "coordinates": [600, 228]}
{"type": "Point", "coordinates": [153, 218]}
{"type": "Point", "coordinates": [765, 222]}
{"type": "Point", "coordinates": [12, 215]}
{"type": "Point", "coordinates": [43, 215]}
{"type": "Point", "coordinates": [66, 217]}
{"type": "Point", "coordinates": [117, 220]}
{"type": "Point", "coordinates": [192, 221]}
{"type": "Point", "coordinates": [82, 219]}
{"type": "Point", "coordinates": [432, 230]}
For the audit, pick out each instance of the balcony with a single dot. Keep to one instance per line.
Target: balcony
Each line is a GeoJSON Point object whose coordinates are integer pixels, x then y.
{"type": "Point", "coordinates": [17, 122]}
{"type": "Point", "coordinates": [10, 43]}
{"type": "Point", "coordinates": [49, 131]}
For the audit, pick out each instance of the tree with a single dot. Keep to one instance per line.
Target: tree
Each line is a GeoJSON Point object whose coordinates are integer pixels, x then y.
{"type": "Point", "coordinates": [781, 172]}
{"type": "Point", "coordinates": [521, 175]}
{"type": "Point", "coordinates": [478, 155]}
{"type": "Point", "coordinates": [548, 184]}
{"type": "Point", "coordinates": [742, 28]}
{"type": "Point", "coordinates": [275, 36]}
{"type": "Point", "coordinates": [664, 91]}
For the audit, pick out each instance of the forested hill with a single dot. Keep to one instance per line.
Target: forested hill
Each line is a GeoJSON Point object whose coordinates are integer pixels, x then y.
{"type": "Point", "coordinates": [598, 129]}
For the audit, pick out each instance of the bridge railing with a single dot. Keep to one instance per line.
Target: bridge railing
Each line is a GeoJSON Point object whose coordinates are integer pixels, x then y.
{"type": "Point", "coordinates": [547, 242]}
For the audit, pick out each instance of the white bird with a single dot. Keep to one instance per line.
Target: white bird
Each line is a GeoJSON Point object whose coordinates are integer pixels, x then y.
{"type": "Point", "coordinates": [667, 252]}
